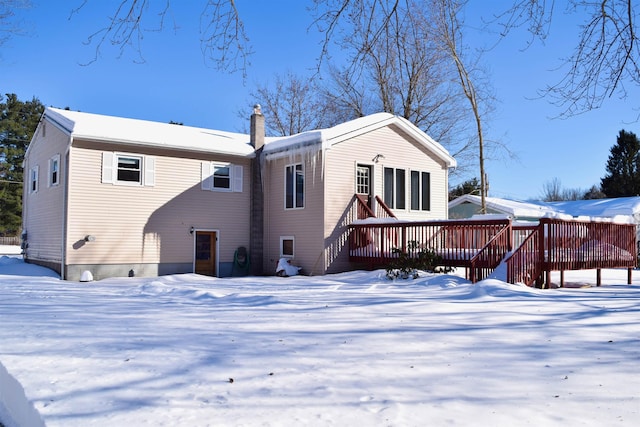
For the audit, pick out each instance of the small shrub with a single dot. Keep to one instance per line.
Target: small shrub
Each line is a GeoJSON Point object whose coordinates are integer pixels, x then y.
{"type": "Point", "coordinates": [408, 263]}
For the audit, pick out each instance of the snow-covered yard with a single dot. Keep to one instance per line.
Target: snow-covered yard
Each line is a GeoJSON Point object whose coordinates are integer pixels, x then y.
{"type": "Point", "coordinates": [343, 350]}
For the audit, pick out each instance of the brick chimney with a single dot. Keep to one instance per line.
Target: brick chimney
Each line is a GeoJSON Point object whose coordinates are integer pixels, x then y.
{"type": "Point", "coordinates": [257, 128]}
{"type": "Point", "coordinates": [256, 246]}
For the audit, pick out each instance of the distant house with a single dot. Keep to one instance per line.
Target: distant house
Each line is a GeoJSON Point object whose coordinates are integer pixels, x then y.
{"type": "Point", "coordinates": [627, 208]}
{"type": "Point", "coordinates": [469, 205]}
{"type": "Point", "coordinates": [123, 197]}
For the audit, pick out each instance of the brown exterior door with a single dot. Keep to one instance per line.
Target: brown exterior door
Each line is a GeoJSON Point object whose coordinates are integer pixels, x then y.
{"type": "Point", "coordinates": [206, 253]}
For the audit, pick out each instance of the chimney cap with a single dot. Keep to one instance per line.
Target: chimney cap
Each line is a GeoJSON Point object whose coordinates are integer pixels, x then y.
{"type": "Point", "coordinates": [257, 109]}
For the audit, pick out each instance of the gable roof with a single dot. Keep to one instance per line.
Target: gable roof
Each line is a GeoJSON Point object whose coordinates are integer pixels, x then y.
{"type": "Point", "coordinates": [97, 127]}
{"type": "Point", "coordinates": [339, 133]}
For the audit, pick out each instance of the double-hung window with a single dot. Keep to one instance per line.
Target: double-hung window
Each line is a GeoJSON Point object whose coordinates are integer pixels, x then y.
{"type": "Point", "coordinates": [54, 170]}
{"type": "Point", "coordinates": [222, 177]}
{"type": "Point", "coordinates": [33, 179]}
{"type": "Point", "coordinates": [217, 176]}
{"type": "Point", "coordinates": [128, 169]}
{"type": "Point", "coordinates": [294, 186]}
{"type": "Point", "coordinates": [420, 191]}
{"type": "Point", "coordinates": [395, 188]}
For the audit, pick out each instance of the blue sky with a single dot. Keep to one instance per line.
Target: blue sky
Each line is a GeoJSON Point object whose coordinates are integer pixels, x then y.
{"type": "Point", "coordinates": [174, 83]}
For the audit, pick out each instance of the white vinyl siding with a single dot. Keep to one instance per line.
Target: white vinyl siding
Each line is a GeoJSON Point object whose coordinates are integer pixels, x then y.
{"type": "Point", "coordinates": [217, 176]}
{"type": "Point", "coordinates": [143, 224]}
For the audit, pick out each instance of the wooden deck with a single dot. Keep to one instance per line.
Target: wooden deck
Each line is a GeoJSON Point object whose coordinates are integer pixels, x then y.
{"type": "Point", "coordinates": [563, 245]}
{"type": "Point", "coordinates": [479, 246]}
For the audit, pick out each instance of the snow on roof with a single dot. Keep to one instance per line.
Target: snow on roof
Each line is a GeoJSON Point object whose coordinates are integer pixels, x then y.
{"type": "Point", "coordinates": [325, 138]}
{"type": "Point", "coordinates": [599, 207]}
{"type": "Point", "coordinates": [510, 207]}
{"type": "Point", "coordinates": [614, 208]}
{"type": "Point", "coordinates": [147, 133]}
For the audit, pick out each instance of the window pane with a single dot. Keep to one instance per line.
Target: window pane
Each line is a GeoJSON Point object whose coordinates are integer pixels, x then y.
{"type": "Point", "coordinates": [299, 187]}
{"type": "Point", "coordinates": [129, 169]}
{"type": "Point", "coordinates": [426, 191]}
{"type": "Point", "coordinates": [388, 187]}
{"type": "Point", "coordinates": [415, 190]}
{"type": "Point", "coordinates": [289, 187]}
{"type": "Point", "coordinates": [287, 247]}
{"type": "Point", "coordinates": [221, 177]}
{"type": "Point", "coordinates": [400, 189]}
{"type": "Point", "coordinates": [362, 180]}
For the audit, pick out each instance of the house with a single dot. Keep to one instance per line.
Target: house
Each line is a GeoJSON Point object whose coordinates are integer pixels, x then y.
{"type": "Point", "coordinates": [122, 197]}
{"type": "Point", "coordinates": [321, 172]}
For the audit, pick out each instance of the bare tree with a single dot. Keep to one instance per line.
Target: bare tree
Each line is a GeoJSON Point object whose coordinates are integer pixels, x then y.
{"type": "Point", "coordinates": [291, 104]}
{"type": "Point", "coordinates": [223, 40]}
{"type": "Point", "coordinates": [552, 191]}
{"type": "Point", "coordinates": [403, 71]}
{"type": "Point", "coordinates": [8, 25]}
{"type": "Point", "coordinates": [605, 58]}
{"type": "Point", "coordinates": [449, 27]}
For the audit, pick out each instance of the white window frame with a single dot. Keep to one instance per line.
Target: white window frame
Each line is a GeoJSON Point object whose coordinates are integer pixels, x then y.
{"type": "Point", "coordinates": [110, 161]}
{"type": "Point", "coordinates": [33, 179]}
{"type": "Point", "coordinates": [284, 239]}
{"type": "Point", "coordinates": [294, 186]}
{"type": "Point", "coordinates": [395, 197]}
{"type": "Point", "coordinates": [54, 170]}
{"type": "Point", "coordinates": [116, 169]}
{"type": "Point", "coordinates": [421, 190]}
{"type": "Point", "coordinates": [236, 176]}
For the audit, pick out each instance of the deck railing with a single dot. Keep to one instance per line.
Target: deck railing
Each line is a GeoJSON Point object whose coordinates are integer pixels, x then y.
{"type": "Point", "coordinates": [382, 210]}
{"type": "Point", "coordinates": [363, 209]}
{"type": "Point", "coordinates": [490, 256]}
{"type": "Point", "coordinates": [559, 245]}
{"type": "Point", "coordinates": [457, 242]}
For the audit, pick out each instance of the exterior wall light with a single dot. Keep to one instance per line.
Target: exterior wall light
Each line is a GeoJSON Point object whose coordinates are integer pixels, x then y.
{"type": "Point", "coordinates": [89, 238]}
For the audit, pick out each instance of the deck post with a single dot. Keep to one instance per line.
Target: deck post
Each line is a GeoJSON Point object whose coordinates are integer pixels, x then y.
{"type": "Point", "coordinates": [598, 277]}
{"type": "Point", "coordinates": [629, 270]}
{"type": "Point", "coordinates": [561, 278]}
{"type": "Point", "coordinates": [547, 279]}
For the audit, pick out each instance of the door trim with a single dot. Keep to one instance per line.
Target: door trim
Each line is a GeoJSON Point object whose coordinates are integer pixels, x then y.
{"type": "Point", "coordinates": [216, 249]}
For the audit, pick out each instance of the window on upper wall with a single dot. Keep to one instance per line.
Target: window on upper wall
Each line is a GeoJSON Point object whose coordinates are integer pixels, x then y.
{"type": "Point", "coordinates": [294, 187]}
{"type": "Point", "coordinates": [420, 191]}
{"type": "Point", "coordinates": [54, 170]}
{"type": "Point", "coordinates": [218, 176]}
{"type": "Point", "coordinates": [33, 179]}
{"type": "Point", "coordinates": [395, 193]}
{"type": "Point", "coordinates": [128, 169]}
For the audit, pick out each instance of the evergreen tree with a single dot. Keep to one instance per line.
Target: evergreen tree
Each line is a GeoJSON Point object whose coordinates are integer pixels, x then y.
{"type": "Point", "coordinates": [470, 186]}
{"type": "Point", "coordinates": [623, 167]}
{"type": "Point", "coordinates": [18, 121]}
